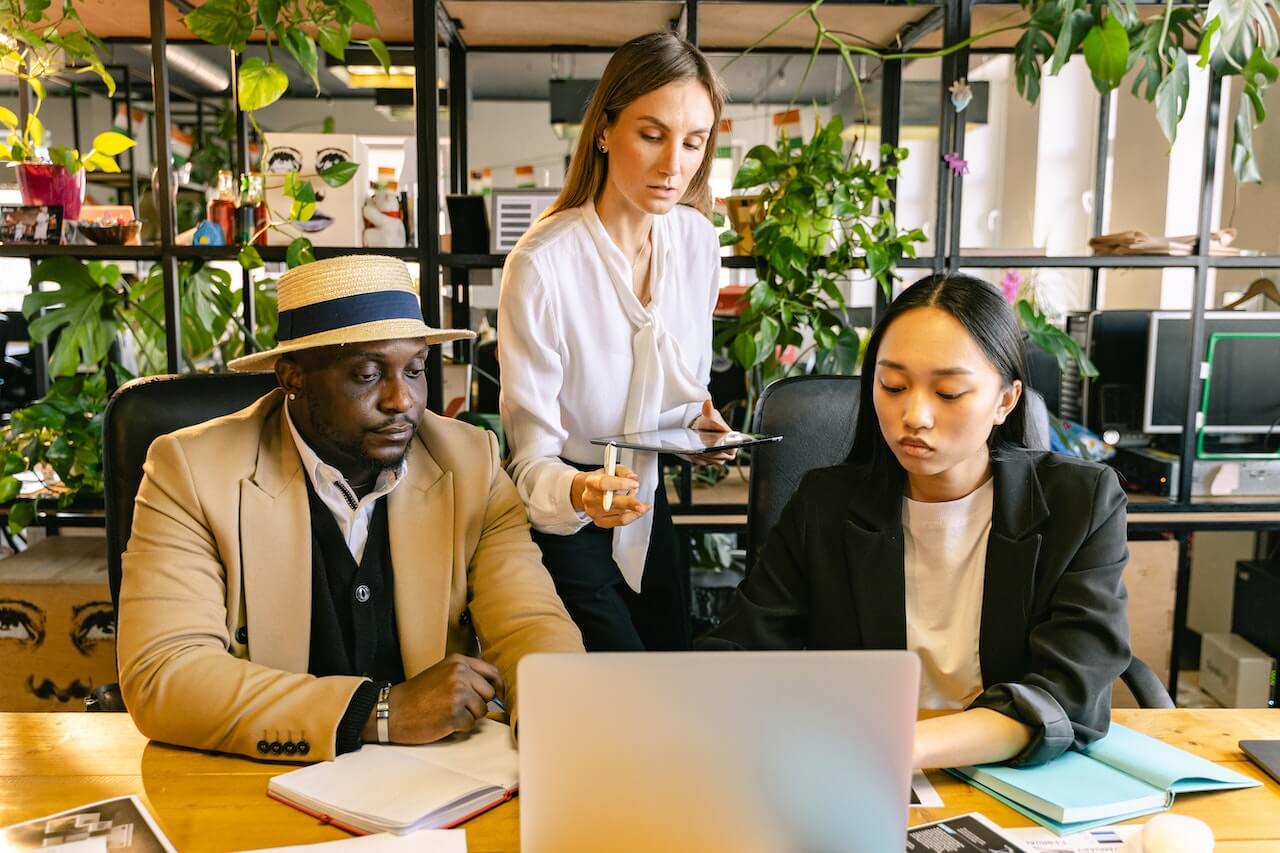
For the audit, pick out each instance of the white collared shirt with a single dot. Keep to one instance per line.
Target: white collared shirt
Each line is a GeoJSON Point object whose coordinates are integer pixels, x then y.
{"type": "Point", "coordinates": [565, 346]}
{"type": "Point", "coordinates": [945, 562]}
{"type": "Point", "coordinates": [353, 515]}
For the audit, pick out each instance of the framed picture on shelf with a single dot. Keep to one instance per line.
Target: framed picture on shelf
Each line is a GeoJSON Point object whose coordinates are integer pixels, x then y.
{"type": "Point", "coordinates": [36, 224]}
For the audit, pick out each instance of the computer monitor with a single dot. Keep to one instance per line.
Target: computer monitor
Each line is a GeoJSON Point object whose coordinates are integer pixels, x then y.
{"type": "Point", "coordinates": [1116, 344]}
{"type": "Point", "coordinates": [469, 223]}
{"type": "Point", "coordinates": [1244, 392]}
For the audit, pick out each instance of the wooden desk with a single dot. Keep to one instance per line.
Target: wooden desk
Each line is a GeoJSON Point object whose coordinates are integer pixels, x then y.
{"type": "Point", "coordinates": [52, 762]}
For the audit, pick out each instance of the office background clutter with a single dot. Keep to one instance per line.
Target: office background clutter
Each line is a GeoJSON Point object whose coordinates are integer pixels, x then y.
{"type": "Point", "coordinates": [1148, 260]}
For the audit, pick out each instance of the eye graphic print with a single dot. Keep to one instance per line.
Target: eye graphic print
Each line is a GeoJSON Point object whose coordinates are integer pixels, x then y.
{"type": "Point", "coordinates": [91, 623]}
{"type": "Point", "coordinates": [21, 622]}
{"type": "Point", "coordinates": [329, 157]}
{"type": "Point", "coordinates": [284, 159]}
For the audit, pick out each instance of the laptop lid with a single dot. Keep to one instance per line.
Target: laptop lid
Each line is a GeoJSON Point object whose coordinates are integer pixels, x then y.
{"type": "Point", "coordinates": [742, 751]}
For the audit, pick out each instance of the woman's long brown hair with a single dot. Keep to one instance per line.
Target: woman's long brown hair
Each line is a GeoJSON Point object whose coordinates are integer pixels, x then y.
{"type": "Point", "coordinates": [637, 68]}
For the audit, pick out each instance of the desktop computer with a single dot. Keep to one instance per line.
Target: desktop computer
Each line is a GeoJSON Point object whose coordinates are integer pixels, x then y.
{"type": "Point", "coordinates": [1256, 603]}
{"type": "Point", "coordinates": [1153, 471]}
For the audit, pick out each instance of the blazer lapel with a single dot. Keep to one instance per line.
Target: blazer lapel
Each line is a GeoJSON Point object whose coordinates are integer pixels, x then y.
{"type": "Point", "coordinates": [275, 546]}
{"type": "Point", "coordinates": [1013, 547]}
{"type": "Point", "coordinates": [423, 552]}
{"type": "Point", "coordinates": [873, 554]}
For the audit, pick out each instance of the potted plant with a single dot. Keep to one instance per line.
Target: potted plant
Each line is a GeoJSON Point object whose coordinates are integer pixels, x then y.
{"type": "Point", "coordinates": [35, 45]}
{"type": "Point", "coordinates": [58, 176]}
{"type": "Point", "coordinates": [824, 215]}
{"type": "Point", "coordinates": [51, 450]}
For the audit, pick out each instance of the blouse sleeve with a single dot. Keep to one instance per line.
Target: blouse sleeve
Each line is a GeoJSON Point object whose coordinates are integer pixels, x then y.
{"type": "Point", "coordinates": [532, 375]}
{"type": "Point", "coordinates": [704, 351]}
{"type": "Point", "coordinates": [1079, 651]}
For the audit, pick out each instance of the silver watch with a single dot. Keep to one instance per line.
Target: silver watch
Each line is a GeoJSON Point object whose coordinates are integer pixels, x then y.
{"type": "Point", "coordinates": [382, 711]}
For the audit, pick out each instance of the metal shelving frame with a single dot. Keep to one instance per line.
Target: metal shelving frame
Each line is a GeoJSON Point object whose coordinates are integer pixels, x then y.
{"type": "Point", "coordinates": [433, 26]}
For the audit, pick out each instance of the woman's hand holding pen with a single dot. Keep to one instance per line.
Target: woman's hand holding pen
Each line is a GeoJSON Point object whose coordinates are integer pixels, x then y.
{"type": "Point", "coordinates": [711, 421]}
{"type": "Point", "coordinates": [590, 487]}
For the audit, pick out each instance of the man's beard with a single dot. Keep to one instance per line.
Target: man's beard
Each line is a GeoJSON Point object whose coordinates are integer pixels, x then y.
{"type": "Point", "coordinates": [352, 450]}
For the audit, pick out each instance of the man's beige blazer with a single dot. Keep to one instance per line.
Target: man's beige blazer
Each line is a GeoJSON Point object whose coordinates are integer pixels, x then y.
{"type": "Point", "coordinates": [215, 597]}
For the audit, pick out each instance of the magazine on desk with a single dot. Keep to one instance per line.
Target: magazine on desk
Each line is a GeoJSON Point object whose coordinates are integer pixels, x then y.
{"type": "Point", "coordinates": [402, 789]}
{"type": "Point", "coordinates": [117, 824]}
{"type": "Point", "coordinates": [1122, 776]}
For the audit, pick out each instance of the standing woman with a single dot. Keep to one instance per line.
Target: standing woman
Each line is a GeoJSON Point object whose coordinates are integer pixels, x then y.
{"type": "Point", "coordinates": [604, 327]}
{"type": "Point", "coordinates": [999, 566]}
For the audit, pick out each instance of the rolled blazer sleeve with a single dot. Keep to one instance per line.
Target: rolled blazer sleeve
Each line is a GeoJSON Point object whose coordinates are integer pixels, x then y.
{"type": "Point", "coordinates": [532, 376]}
{"type": "Point", "coordinates": [513, 602]}
{"type": "Point", "coordinates": [1082, 647]}
{"type": "Point", "coordinates": [179, 680]}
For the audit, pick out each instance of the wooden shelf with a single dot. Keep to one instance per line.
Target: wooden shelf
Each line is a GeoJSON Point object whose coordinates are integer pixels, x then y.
{"type": "Point", "coordinates": [88, 253]}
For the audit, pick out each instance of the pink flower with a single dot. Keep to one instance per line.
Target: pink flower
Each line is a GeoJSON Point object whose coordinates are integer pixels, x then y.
{"type": "Point", "coordinates": [1009, 285]}
{"type": "Point", "coordinates": [786, 356]}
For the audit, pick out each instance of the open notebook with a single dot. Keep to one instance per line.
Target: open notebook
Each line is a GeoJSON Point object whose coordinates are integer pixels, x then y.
{"type": "Point", "coordinates": [406, 788]}
{"type": "Point", "coordinates": [1124, 775]}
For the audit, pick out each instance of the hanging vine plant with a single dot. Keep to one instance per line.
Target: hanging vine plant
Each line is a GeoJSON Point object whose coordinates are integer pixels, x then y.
{"type": "Point", "coordinates": [1236, 38]}
{"type": "Point", "coordinates": [302, 28]}
{"type": "Point", "coordinates": [283, 23]}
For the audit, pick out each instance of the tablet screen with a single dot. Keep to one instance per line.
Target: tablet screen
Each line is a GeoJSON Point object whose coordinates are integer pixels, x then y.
{"type": "Point", "coordinates": [688, 441]}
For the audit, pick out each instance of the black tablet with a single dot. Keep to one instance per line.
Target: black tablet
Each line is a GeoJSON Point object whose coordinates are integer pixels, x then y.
{"type": "Point", "coordinates": [685, 441]}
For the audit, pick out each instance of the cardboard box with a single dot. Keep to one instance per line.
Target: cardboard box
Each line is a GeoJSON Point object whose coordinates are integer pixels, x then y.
{"type": "Point", "coordinates": [1235, 671]}
{"type": "Point", "coordinates": [337, 220]}
{"type": "Point", "coordinates": [57, 626]}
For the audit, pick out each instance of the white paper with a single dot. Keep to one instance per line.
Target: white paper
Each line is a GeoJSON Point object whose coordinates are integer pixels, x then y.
{"type": "Point", "coordinates": [423, 841]}
{"type": "Point", "coordinates": [923, 794]}
{"type": "Point", "coordinates": [1105, 839]}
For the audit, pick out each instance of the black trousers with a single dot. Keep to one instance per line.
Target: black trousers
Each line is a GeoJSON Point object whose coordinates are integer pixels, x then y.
{"type": "Point", "coordinates": [611, 616]}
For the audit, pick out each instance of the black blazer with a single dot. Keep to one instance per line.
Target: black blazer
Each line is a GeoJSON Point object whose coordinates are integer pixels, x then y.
{"type": "Point", "coordinates": [1054, 630]}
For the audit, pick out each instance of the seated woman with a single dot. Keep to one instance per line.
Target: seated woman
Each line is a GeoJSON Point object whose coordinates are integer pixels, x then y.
{"type": "Point", "coordinates": [999, 566]}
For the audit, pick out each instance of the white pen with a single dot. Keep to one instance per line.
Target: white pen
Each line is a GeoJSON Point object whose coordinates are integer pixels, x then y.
{"type": "Point", "coordinates": [610, 465]}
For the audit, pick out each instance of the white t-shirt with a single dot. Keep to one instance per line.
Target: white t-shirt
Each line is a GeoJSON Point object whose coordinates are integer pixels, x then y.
{"type": "Point", "coordinates": [945, 558]}
{"type": "Point", "coordinates": [565, 345]}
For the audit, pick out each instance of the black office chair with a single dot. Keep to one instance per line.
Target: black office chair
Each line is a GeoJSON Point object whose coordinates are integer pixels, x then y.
{"type": "Point", "coordinates": [138, 413]}
{"type": "Point", "coordinates": [142, 411]}
{"type": "Point", "coordinates": [815, 415]}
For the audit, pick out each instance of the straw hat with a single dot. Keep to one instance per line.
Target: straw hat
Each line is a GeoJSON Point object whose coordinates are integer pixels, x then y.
{"type": "Point", "coordinates": [346, 300]}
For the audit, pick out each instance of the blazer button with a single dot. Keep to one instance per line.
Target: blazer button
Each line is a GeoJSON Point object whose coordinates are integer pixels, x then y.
{"type": "Point", "coordinates": [242, 635]}
{"type": "Point", "coordinates": [465, 618]}
{"type": "Point", "coordinates": [290, 747]}
{"type": "Point", "coordinates": [276, 747]}
{"type": "Point", "coordinates": [264, 747]}
{"type": "Point", "coordinates": [303, 747]}
{"type": "Point", "coordinates": [363, 593]}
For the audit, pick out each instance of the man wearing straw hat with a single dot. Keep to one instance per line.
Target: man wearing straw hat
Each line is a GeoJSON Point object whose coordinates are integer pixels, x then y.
{"type": "Point", "coordinates": [313, 572]}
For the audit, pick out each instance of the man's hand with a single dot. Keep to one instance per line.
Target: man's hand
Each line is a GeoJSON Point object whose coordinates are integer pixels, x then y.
{"type": "Point", "coordinates": [449, 697]}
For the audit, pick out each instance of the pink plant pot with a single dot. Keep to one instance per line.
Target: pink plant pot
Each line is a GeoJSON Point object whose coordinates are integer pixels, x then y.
{"type": "Point", "coordinates": [45, 183]}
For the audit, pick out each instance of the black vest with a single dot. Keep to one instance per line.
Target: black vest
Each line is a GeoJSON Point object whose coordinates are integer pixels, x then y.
{"type": "Point", "coordinates": [353, 613]}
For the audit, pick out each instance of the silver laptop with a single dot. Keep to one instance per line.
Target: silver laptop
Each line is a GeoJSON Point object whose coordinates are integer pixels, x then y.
{"type": "Point", "coordinates": [718, 751]}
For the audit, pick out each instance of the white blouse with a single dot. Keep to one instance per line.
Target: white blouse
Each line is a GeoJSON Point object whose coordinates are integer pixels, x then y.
{"type": "Point", "coordinates": [582, 358]}
{"type": "Point", "coordinates": [945, 560]}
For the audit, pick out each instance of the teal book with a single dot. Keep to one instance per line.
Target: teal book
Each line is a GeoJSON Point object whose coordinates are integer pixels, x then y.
{"type": "Point", "coordinates": [1124, 775]}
